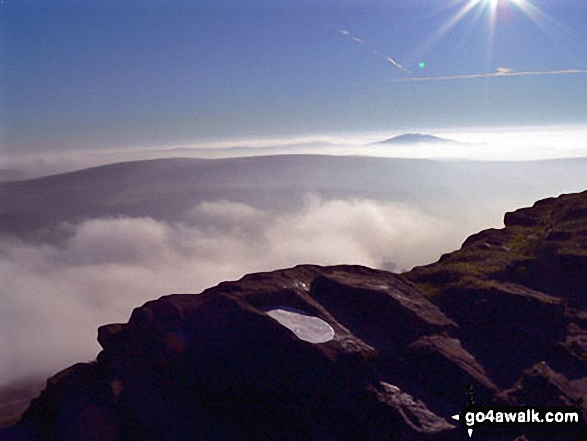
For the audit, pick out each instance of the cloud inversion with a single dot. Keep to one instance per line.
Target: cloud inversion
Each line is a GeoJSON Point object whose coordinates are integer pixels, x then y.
{"type": "Point", "coordinates": [54, 297]}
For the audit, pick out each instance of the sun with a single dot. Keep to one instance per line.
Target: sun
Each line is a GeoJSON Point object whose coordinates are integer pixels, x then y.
{"type": "Point", "coordinates": [496, 3]}
{"type": "Point", "coordinates": [490, 10]}
{"type": "Point", "coordinates": [492, 6]}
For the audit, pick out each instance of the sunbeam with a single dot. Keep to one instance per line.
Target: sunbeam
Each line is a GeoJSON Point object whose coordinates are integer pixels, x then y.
{"type": "Point", "coordinates": [491, 9]}
{"type": "Point", "coordinates": [451, 23]}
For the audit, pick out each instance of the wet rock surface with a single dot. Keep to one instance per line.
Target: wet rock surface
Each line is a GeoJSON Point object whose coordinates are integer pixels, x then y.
{"type": "Point", "coordinates": [352, 353]}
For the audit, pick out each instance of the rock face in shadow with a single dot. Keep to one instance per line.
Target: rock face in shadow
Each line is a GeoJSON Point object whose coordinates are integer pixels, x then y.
{"type": "Point", "coordinates": [216, 366]}
{"type": "Point", "coordinates": [389, 357]}
{"type": "Point", "coordinates": [16, 397]}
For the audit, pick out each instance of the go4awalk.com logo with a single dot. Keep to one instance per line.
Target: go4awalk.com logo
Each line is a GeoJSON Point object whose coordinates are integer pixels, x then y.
{"type": "Point", "coordinates": [551, 419]}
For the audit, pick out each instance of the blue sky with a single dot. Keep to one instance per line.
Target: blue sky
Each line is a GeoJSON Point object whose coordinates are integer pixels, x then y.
{"type": "Point", "coordinates": [108, 73]}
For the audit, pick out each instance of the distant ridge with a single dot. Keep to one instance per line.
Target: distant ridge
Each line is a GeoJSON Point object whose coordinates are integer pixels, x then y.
{"type": "Point", "coordinates": [167, 189]}
{"type": "Point", "coordinates": [416, 138]}
{"type": "Point", "coordinates": [7, 175]}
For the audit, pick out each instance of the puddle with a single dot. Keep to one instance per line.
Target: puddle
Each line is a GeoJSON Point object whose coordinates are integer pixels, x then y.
{"type": "Point", "coordinates": [305, 327]}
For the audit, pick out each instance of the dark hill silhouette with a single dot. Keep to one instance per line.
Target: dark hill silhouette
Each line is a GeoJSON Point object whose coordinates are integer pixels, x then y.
{"type": "Point", "coordinates": [416, 138]}
{"type": "Point", "coordinates": [167, 189]}
{"type": "Point", "coordinates": [12, 175]}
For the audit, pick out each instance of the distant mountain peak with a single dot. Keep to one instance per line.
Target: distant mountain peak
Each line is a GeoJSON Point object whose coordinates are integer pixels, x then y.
{"type": "Point", "coordinates": [416, 138]}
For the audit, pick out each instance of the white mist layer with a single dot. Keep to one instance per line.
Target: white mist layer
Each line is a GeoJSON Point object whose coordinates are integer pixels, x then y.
{"type": "Point", "coordinates": [475, 144]}
{"type": "Point", "coordinates": [54, 297]}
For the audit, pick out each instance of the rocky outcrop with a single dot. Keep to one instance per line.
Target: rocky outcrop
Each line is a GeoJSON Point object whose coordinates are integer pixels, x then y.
{"type": "Point", "coordinates": [344, 352]}
{"type": "Point", "coordinates": [519, 295]}
{"type": "Point", "coordinates": [217, 366]}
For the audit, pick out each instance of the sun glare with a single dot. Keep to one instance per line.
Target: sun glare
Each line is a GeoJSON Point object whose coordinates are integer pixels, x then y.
{"type": "Point", "coordinates": [496, 3]}
{"type": "Point", "coordinates": [490, 10]}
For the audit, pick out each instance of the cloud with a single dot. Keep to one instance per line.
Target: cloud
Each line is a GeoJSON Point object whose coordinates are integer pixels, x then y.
{"type": "Point", "coordinates": [358, 40]}
{"type": "Point", "coordinates": [504, 70]}
{"type": "Point", "coordinates": [55, 296]}
{"type": "Point", "coordinates": [501, 72]}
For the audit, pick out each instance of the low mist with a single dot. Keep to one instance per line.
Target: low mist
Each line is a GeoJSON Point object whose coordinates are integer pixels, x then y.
{"type": "Point", "coordinates": [81, 250]}
{"type": "Point", "coordinates": [55, 296]}
{"type": "Point", "coordinates": [483, 144]}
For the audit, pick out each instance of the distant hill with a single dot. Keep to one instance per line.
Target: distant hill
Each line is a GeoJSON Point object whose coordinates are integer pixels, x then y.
{"type": "Point", "coordinates": [416, 138]}
{"type": "Point", "coordinates": [168, 189]}
{"type": "Point", "coordinates": [12, 175]}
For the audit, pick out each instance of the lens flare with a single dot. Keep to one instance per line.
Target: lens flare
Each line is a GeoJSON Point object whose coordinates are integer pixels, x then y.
{"type": "Point", "coordinates": [490, 9]}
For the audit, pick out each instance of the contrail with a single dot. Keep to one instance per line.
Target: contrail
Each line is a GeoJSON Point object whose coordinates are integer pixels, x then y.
{"type": "Point", "coordinates": [374, 51]}
{"type": "Point", "coordinates": [501, 72]}
{"type": "Point", "coordinates": [398, 65]}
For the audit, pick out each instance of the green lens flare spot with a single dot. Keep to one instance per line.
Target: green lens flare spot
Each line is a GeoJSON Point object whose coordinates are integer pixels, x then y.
{"type": "Point", "coordinates": [422, 65]}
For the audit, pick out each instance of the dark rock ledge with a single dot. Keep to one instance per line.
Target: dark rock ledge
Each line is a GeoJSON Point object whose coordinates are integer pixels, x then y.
{"type": "Point", "coordinates": [344, 352]}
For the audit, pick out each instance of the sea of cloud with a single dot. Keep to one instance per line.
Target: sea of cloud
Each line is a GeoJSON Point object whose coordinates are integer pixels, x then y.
{"type": "Point", "coordinates": [475, 144]}
{"type": "Point", "coordinates": [54, 296]}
